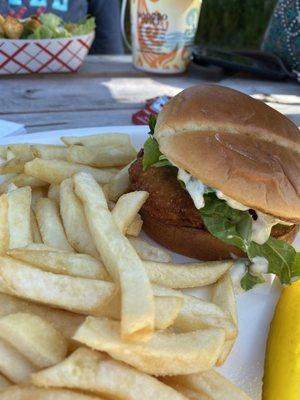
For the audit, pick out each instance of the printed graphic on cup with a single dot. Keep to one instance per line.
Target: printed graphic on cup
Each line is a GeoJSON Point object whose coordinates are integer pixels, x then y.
{"type": "Point", "coordinates": [163, 33]}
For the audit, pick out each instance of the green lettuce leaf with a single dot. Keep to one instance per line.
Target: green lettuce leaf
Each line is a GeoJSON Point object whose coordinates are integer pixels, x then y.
{"type": "Point", "coordinates": [227, 224]}
{"type": "Point", "coordinates": [249, 280]}
{"type": "Point", "coordinates": [151, 153]}
{"type": "Point", "coordinates": [85, 27]}
{"type": "Point", "coordinates": [296, 265]}
{"type": "Point", "coordinates": [152, 123]}
{"type": "Point", "coordinates": [51, 21]}
{"type": "Point", "coordinates": [162, 162]}
{"type": "Point", "coordinates": [41, 33]}
{"type": "Point", "coordinates": [280, 255]}
{"type": "Point", "coordinates": [53, 27]}
{"type": "Point", "coordinates": [60, 32]}
{"type": "Point", "coordinates": [234, 227]}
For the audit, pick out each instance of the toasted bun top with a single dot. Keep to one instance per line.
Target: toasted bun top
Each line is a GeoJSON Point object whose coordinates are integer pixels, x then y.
{"type": "Point", "coordinates": [236, 144]}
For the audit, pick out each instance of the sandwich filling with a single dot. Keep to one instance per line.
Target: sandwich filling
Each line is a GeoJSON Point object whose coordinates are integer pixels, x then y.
{"type": "Point", "coordinates": [234, 223]}
{"type": "Point", "coordinates": [262, 224]}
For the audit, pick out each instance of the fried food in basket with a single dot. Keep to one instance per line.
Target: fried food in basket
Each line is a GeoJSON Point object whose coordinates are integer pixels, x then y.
{"type": "Point", "coordinates": [47, 26]}
{"type": "Point", "coordinates": [12, 28]}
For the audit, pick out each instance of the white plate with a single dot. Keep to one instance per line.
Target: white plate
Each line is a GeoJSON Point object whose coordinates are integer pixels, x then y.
{"type": "Point", "coordinates": [255, 308]}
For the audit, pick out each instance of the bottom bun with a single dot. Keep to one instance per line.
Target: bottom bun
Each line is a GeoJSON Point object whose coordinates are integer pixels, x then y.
{"type": "Point", "coordinates": [196, 243]}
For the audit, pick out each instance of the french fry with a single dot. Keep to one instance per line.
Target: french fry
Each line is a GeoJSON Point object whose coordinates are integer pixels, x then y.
{"type": "Point", "coordinates": [34, 393]}
{"type": "Point", "coordinates": [11, 187]}
{"type": "Point", "coordinates": [54, 193]}
{"type": "Point", "coordinates": [36, 194]}
{"type": "Point", "coordinates": [56, 171]}
{"type": "Point", "coordinates": [21, 151]}
{"type": "Point", "coordinates": [211, 384]}
{"type": "Point", "coordinates": [95, 372]}
{"type": "Point", "coordinates": [223, 295]}
{"type": "Point", "coordinates": [4, 231]}
{"type": "Point", "coordinates": [43, 247]}
{"type": "Point", "coordinates": [120, 259]}
{"type": "Point", "coordinates": [110, 204]}
{"type": "Point", "coordinates": [164, 354]}
{"type": "Point", "coordinates": [101, 139]}
{"type": "Point", "coordinates": [166, 310]}
{"type": "Point", "coordinates": [35, 232]}
{"type": "Point", "coordinates": [227, 348]}
{"type": "Point", "coordinates": [50, 225]}
{"type": "Point", "coordinates": [85, 296]}
{"type": "Point", "coordinates": [8, 179]}
{"type": "Point", "coordinates": [119, 184]}
{"type": "Point", "coordinates": [74, 220]}
{"type": "Point", "coordinates": [22, 180]}
{"type": "Point", "coordinates": [134, 229]}
{"type": "Point", "coordinates": [14, 365]}
{"type": "Point", "coordinates": [4, 382]}
{"type": "Point", "coordinates": [65, 322]}
{"type": "Point", "coordinates": [180, 276]}
{"type": "Point", "coordinates": [12, 166]}
{"type": "Point", "coordinates": [148, 252]}
{"type": "Point", "coordinates": [49, 151]}
{"type": "Point", "coordinates": [116, 294]}
{"type": "Point", "coordinates": [127, 208]}
{"type": "Point", "coordinates": [10, 155]}
{"type": "Point", "coordinates": [167, 302]}
{"type": "Point", "coordinates": [189, 393]}
{"type": "Point", "coordinates": [34, 338]}
{"type": "Point", "coordinates": [72, 264]}
{"type": "Point", "coordinates": [101, 157]}
{"type": "Point", "coordinates": [19, 226]}
{"type": "Point", "coordinates": [198, 314]}
{"type": "Point", "coordinates": [167, 305]}
{"type": "Point", "coordinates": [3, 151]}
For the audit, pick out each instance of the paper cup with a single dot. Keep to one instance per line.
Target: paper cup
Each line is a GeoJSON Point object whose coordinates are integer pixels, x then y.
{"type": "Point", "coordinates": [162, 33]}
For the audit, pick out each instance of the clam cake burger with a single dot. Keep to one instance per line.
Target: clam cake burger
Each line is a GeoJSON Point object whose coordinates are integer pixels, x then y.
{"type": "Point", "coordinates": [223, 175]}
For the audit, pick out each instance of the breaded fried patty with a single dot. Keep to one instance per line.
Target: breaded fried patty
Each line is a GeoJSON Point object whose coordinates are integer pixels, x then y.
{"type": "Point", "coordinates": [168, 202]}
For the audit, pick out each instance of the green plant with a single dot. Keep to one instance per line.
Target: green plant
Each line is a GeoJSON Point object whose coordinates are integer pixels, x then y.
{"type": "Point", "coordinates": [234, 23]}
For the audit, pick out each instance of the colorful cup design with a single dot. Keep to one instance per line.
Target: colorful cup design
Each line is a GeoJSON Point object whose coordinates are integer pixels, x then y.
{"type": "Point", "coordinates": [163, 33]}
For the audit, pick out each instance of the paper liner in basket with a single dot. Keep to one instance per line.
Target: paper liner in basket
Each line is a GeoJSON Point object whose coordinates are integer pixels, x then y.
{"type": "Point", "coordinates": [44, 55]}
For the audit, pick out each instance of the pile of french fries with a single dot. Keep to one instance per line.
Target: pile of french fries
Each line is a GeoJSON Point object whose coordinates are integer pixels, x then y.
{"type": "Point", "coordinates": [89, 310]}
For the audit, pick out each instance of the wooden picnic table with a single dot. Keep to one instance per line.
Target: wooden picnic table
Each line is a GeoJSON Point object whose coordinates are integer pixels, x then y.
{"type": "Point", "coordinates": [108, 89]}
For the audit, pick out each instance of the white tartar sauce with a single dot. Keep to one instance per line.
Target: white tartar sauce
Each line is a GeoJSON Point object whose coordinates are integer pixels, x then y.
{"type": "Point", "coordinates": [237, 271]}
{"type": "Point", "coordinates": [195, 188]}
{"type": "Point", "coordinates": [259, 265]}
{"type": "Point", "coordinates": [232, 203]}
{"type": "Point", "coordinates": [261, 227]}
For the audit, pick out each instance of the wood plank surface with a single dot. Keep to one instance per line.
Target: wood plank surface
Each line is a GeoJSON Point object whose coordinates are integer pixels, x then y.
{"type": "Point", "coordinates": [69, 119]}
{"type": "Point", "coordinates": [108, 89]}
{"type": "Point", "coordinates": [84, 93]}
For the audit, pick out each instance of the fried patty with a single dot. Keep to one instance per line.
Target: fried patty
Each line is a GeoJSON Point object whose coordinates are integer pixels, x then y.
{"type": "Point", "coordinates": [168, 202]}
